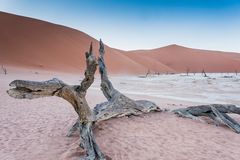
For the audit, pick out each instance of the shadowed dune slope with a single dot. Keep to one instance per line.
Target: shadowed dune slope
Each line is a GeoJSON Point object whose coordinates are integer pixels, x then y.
{"type": "Point", "coordinates": [35, 44]}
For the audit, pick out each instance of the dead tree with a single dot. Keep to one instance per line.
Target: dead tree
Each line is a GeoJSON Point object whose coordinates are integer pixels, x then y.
{"type": "Point", "coordinates": [148, 72]}
{"type": "Point", "coordinates": [236, 72]}
{"type": "Point", "coordinates": [74, 95]}
{"type": "Point", "coordinates": [217, 112]}
{"type": "Point", "coordinates": [204, 73]}
{"type": "Point", "coordinates": [117, 105]}
{"type": "Point", "coordinates": [187, 71]}
{"type": "Point", "coordinates": [4, 70]}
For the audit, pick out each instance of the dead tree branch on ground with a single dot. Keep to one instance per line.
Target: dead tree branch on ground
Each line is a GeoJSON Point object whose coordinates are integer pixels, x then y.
{"type": "Point", "coordinates": [216, 112]}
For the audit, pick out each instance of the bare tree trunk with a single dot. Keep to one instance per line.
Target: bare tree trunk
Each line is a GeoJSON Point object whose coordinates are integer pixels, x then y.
{"type": "Point", "coordinates": [187, 70]}
{"type": "Point", "coordinates": [217, 112]}
{"type": "Point", "coordinates": [74, 95]}
{"type": "Point", "coordinates": [4, 70]}
{"type": "Point", "coordinates": [148, 72]}
{"type": "Point", "coordinates": [204, 73]}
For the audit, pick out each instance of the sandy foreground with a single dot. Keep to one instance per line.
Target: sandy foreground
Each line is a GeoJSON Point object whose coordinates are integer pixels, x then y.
{"type": "Point", "coordinates": [36, 129]}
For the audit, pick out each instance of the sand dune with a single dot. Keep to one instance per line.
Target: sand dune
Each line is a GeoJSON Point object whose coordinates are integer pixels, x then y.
{"type": "Point", "coordinates": [179, 58]}
{"type": "Point", "coordinates": [27, 42]}
{"type": "Point", "coordinates": [32, 43]}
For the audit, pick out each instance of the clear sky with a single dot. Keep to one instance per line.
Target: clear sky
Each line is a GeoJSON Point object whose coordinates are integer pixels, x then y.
{"type": "Point", "coordinates": [143, 24]}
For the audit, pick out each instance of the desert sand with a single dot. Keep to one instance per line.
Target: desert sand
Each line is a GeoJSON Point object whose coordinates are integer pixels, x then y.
{"type": "Point", "coordinates": [36, 129]}
{"type": "Point", "coordinates": [28, 42]}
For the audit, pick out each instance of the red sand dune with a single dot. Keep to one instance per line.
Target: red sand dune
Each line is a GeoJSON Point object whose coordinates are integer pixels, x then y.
{"type": "Point", "coordinates": [180, 58]}
{"type": "Point", "coordinates": [27, 42]}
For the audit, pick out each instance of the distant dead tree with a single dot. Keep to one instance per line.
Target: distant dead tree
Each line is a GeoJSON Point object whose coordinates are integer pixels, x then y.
{"type": "Point", "coordinates": [4, 70]}
{"type": "Point", "coordinates": [204, 73]}
{"type": "Point", "coordinates": [148, 72]}
{"type": "Point", "coordinates": [236, 72]}
{"type": "Point", "coordinates": [187, 71]}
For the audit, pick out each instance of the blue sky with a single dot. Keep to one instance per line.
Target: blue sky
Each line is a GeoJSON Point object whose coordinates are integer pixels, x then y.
{"type": "Point", "coordinates": [143, 24]}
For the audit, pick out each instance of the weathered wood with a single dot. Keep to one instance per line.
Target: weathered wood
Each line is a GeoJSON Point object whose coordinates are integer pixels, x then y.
{"type": "Point", "coordinates": [74, 95]}
{"type": "Point", "coordinates": [217, 112]}
{"type": "Point", "coordinates": [118, 105]}
{"type": "Point", "coordinates": [226, 120]}
{"type": "Point", "coordinates": [74, 128]}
